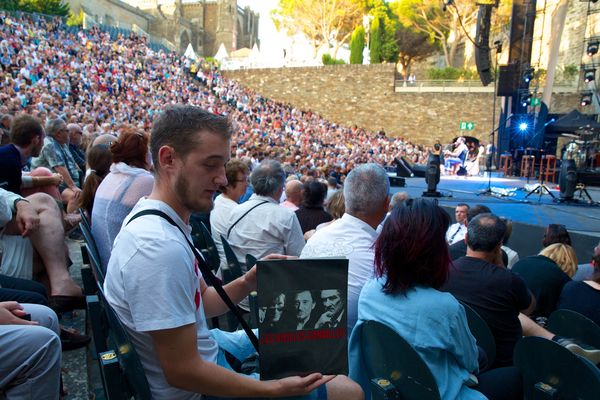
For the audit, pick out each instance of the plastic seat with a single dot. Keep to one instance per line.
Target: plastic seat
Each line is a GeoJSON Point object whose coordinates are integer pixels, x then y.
{"type": "Point", "coordinates": [550, 371]}
{"type": "Point", "coordinates": [571, 324]}
{"type": "Point", "coordinates": [482, 333]}
{"type": "Point", "coordinates": [390, 358]}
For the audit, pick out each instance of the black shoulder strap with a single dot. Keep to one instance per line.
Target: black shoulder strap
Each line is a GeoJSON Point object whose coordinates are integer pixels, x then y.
{"type": "Point", "coordinates": [206, 272]}
{"type": "Point", "coordinates": [243, 215]}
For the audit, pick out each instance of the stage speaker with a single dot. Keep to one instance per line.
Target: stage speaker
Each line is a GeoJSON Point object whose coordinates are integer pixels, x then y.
{"type": "Point", "coordinates": [403, 168]}
{"type": "Point", "coordinates": [521, 32]}
{"type": "Point", "coordinates": [397, 181]}
{"type": "Point", "coordinates": [508, 80]}
{"type": "Point", "coordinates": [567, 179]}
{"type": "Point", "coordinates": [432, 177]}
{"type": "Point", "coordinates": [483, 58]}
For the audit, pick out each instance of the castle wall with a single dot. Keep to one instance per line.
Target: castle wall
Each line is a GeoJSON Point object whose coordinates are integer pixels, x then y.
{"type": "Point", "coordinates": [364, 95]}
{"type": "Point", "coordinates": [113, 12]}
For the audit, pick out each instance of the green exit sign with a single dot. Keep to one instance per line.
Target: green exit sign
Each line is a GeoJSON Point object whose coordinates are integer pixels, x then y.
{"type": "Point", "coordinates": [536, 101]}
{"type": "Point", "coordinates": [467, 126]}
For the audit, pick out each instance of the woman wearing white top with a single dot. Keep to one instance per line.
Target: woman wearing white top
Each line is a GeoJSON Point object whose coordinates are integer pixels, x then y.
{"type": "Point", "coordinates": [128, 181]}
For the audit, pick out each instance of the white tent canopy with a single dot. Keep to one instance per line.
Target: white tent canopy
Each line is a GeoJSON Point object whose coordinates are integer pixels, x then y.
{"type": "Point", "coordinates": [221, 53]}
{"type": "Point", "coordinates": [190, 53]}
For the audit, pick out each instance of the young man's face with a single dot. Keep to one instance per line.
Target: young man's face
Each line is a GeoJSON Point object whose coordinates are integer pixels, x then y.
{"type": "Point", "coordinates": [201, 173]}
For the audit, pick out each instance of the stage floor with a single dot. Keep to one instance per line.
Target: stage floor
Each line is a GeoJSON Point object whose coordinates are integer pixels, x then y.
{"type": "Point", "coordinates": [535, 210]}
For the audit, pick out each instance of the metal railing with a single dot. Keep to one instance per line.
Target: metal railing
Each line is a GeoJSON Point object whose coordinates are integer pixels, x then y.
{"type": "Point", "coordinates": [462, 86]}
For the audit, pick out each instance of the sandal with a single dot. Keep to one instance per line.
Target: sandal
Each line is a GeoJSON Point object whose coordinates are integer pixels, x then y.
{"type": "Point", "coordinates": [61, 304]}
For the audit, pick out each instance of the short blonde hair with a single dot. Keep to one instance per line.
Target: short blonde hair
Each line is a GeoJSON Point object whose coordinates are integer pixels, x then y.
{"type": "Point", "coordinates": [563, 255]}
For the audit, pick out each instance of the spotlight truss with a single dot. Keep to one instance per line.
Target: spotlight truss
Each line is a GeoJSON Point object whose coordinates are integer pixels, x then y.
{"type": "Point", "coordinates": [586, 98]}
{"type": "Point", "coordinates": [589, 75]}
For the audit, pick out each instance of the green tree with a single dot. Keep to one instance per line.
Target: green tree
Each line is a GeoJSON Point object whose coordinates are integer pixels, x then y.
{"type": "Point", "coordinates": [412, 46]}
{"type": "Point", "coordinates": [75, 20]}
{"type": "Point", "coordinates": [357, 44]}
{"type": "Point", "coordinates": [50, 7]}
{"type": "Point", "coordinates": [375, 41]}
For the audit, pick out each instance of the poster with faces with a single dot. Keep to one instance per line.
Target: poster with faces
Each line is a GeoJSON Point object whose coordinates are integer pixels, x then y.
{"type": "Point", "coordinates": [302, 317]}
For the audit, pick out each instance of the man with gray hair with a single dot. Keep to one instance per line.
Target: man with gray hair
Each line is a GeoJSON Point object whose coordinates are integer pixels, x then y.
{"type": "Point", "coordinates": [366, 194]}
{"type": "Point", "coordinates": [260, 226]}
{"type": "Point", "coordinates": [55, 156]}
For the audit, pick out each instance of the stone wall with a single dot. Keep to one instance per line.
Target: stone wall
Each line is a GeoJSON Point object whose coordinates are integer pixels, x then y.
{"type": "Point", "coordinates": [364, 95]}
{"type": "Point", "coordinates": [114, 12]}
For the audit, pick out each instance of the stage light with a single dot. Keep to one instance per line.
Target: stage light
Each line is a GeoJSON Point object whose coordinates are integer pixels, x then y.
{"type": "Point", "coordinates": [525, 99]}
{"type": "Point", "coordinates": [592, 48]}
{"type": "Point", "coordinates": [528, 75]}
{"type": "Point", "coordinates": [586, 99]}
{"type": "Point", "coordinates": [523, 126]}
{"type": "Point", "coordinates": [589, 75]}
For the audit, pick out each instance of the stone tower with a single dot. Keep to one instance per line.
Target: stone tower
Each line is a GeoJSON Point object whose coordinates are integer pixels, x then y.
{"type": "Point", "coordinates": [226, 31]}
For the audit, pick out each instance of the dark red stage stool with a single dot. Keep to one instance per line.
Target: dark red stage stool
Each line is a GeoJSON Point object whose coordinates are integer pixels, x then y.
{"type": "Point", "coordinates": [549, 168]}
{"type": "Point", "coordinates": [528, 166]}
{"type": "Point", "coordinates": [506, 164]}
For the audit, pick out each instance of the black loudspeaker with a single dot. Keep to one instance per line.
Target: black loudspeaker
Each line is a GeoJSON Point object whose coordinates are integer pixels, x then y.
{"type": "Point", "coordinates": [483, 58]}
{"type": "Point", "coordinates": [508, 80]}
{"type": "Point", "coordinates": [521, 32]}
{"type": "Point", "coordinates": [403, 168]}
{"type": "Point", "coordinates": [567, 179]}
{"type": "Point", "coordinates": [432, 177]}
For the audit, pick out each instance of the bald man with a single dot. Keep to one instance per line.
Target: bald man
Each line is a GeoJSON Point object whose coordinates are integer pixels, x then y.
{"type": "Point", "coordinates": [294, 190]}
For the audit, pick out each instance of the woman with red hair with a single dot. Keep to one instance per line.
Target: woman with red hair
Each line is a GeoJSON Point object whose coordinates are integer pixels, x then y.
{"type": "Point", "coordinates": [128, 181]}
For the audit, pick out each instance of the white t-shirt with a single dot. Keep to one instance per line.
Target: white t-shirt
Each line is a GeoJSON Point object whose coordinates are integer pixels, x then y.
{"type": "Point", "coordinates": [353, 239]}
{"type": "Point", "coordinates": [153, 283]}
{"type": "Point", "coordinates": [220, 219]}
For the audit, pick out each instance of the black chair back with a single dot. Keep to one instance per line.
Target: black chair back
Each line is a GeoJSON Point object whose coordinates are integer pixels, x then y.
{"type": "Point", "coordinates": [388, 356]}
{"type": "Point", "coordinates": [233, 265]}
{"type": "Point", "coordinates": [571, 324]}
{"type": "Point", "coordinates": [482, 333]}
{"type": "Point", "coordinates": [129, 361]}
{"type": "Point", "coordinates": [550, 371]}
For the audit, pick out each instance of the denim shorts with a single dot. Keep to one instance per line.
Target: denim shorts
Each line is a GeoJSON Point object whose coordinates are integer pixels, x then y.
{"type": "Point", "coordinates": [238, 345]}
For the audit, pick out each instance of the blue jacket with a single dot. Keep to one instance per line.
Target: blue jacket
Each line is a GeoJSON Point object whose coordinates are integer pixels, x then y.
{"type": "Point", "coordinates": [433, 322]}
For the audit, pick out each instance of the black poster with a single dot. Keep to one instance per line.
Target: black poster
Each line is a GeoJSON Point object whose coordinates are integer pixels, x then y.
{"type": "Point", "coordinates": [302, 317]}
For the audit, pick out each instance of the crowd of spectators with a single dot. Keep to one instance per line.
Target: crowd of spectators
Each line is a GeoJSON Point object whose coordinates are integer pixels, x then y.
{"type": "Point", "coordinates": [297, 186]}
{"type": "Point", "coordinates": [85, 78]}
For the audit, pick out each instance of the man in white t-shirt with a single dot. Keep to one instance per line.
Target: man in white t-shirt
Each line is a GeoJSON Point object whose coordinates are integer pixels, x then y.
{"type": "Point", "coordinates": [366, 197]}
{"type": "Point", "coordinates": [236, 172]}
{"type": "Point", "coordinates": [457, 231]}
{"type": "Point", "coordinates": [157, 291]}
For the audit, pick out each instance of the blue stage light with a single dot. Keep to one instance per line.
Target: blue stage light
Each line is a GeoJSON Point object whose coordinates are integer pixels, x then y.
{"type": "Point", "coordinates": [523, 126]}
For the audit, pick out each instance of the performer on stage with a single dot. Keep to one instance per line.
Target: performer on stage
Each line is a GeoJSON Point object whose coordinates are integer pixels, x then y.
{"type": "Point", "coordinates": [456, 158]}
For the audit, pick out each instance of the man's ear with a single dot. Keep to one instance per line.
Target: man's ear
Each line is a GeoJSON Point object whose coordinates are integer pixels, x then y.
{"type": "Point", "coordinates": [467, 243]}
{"type": "Point", "coordinates": [166, 157]}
